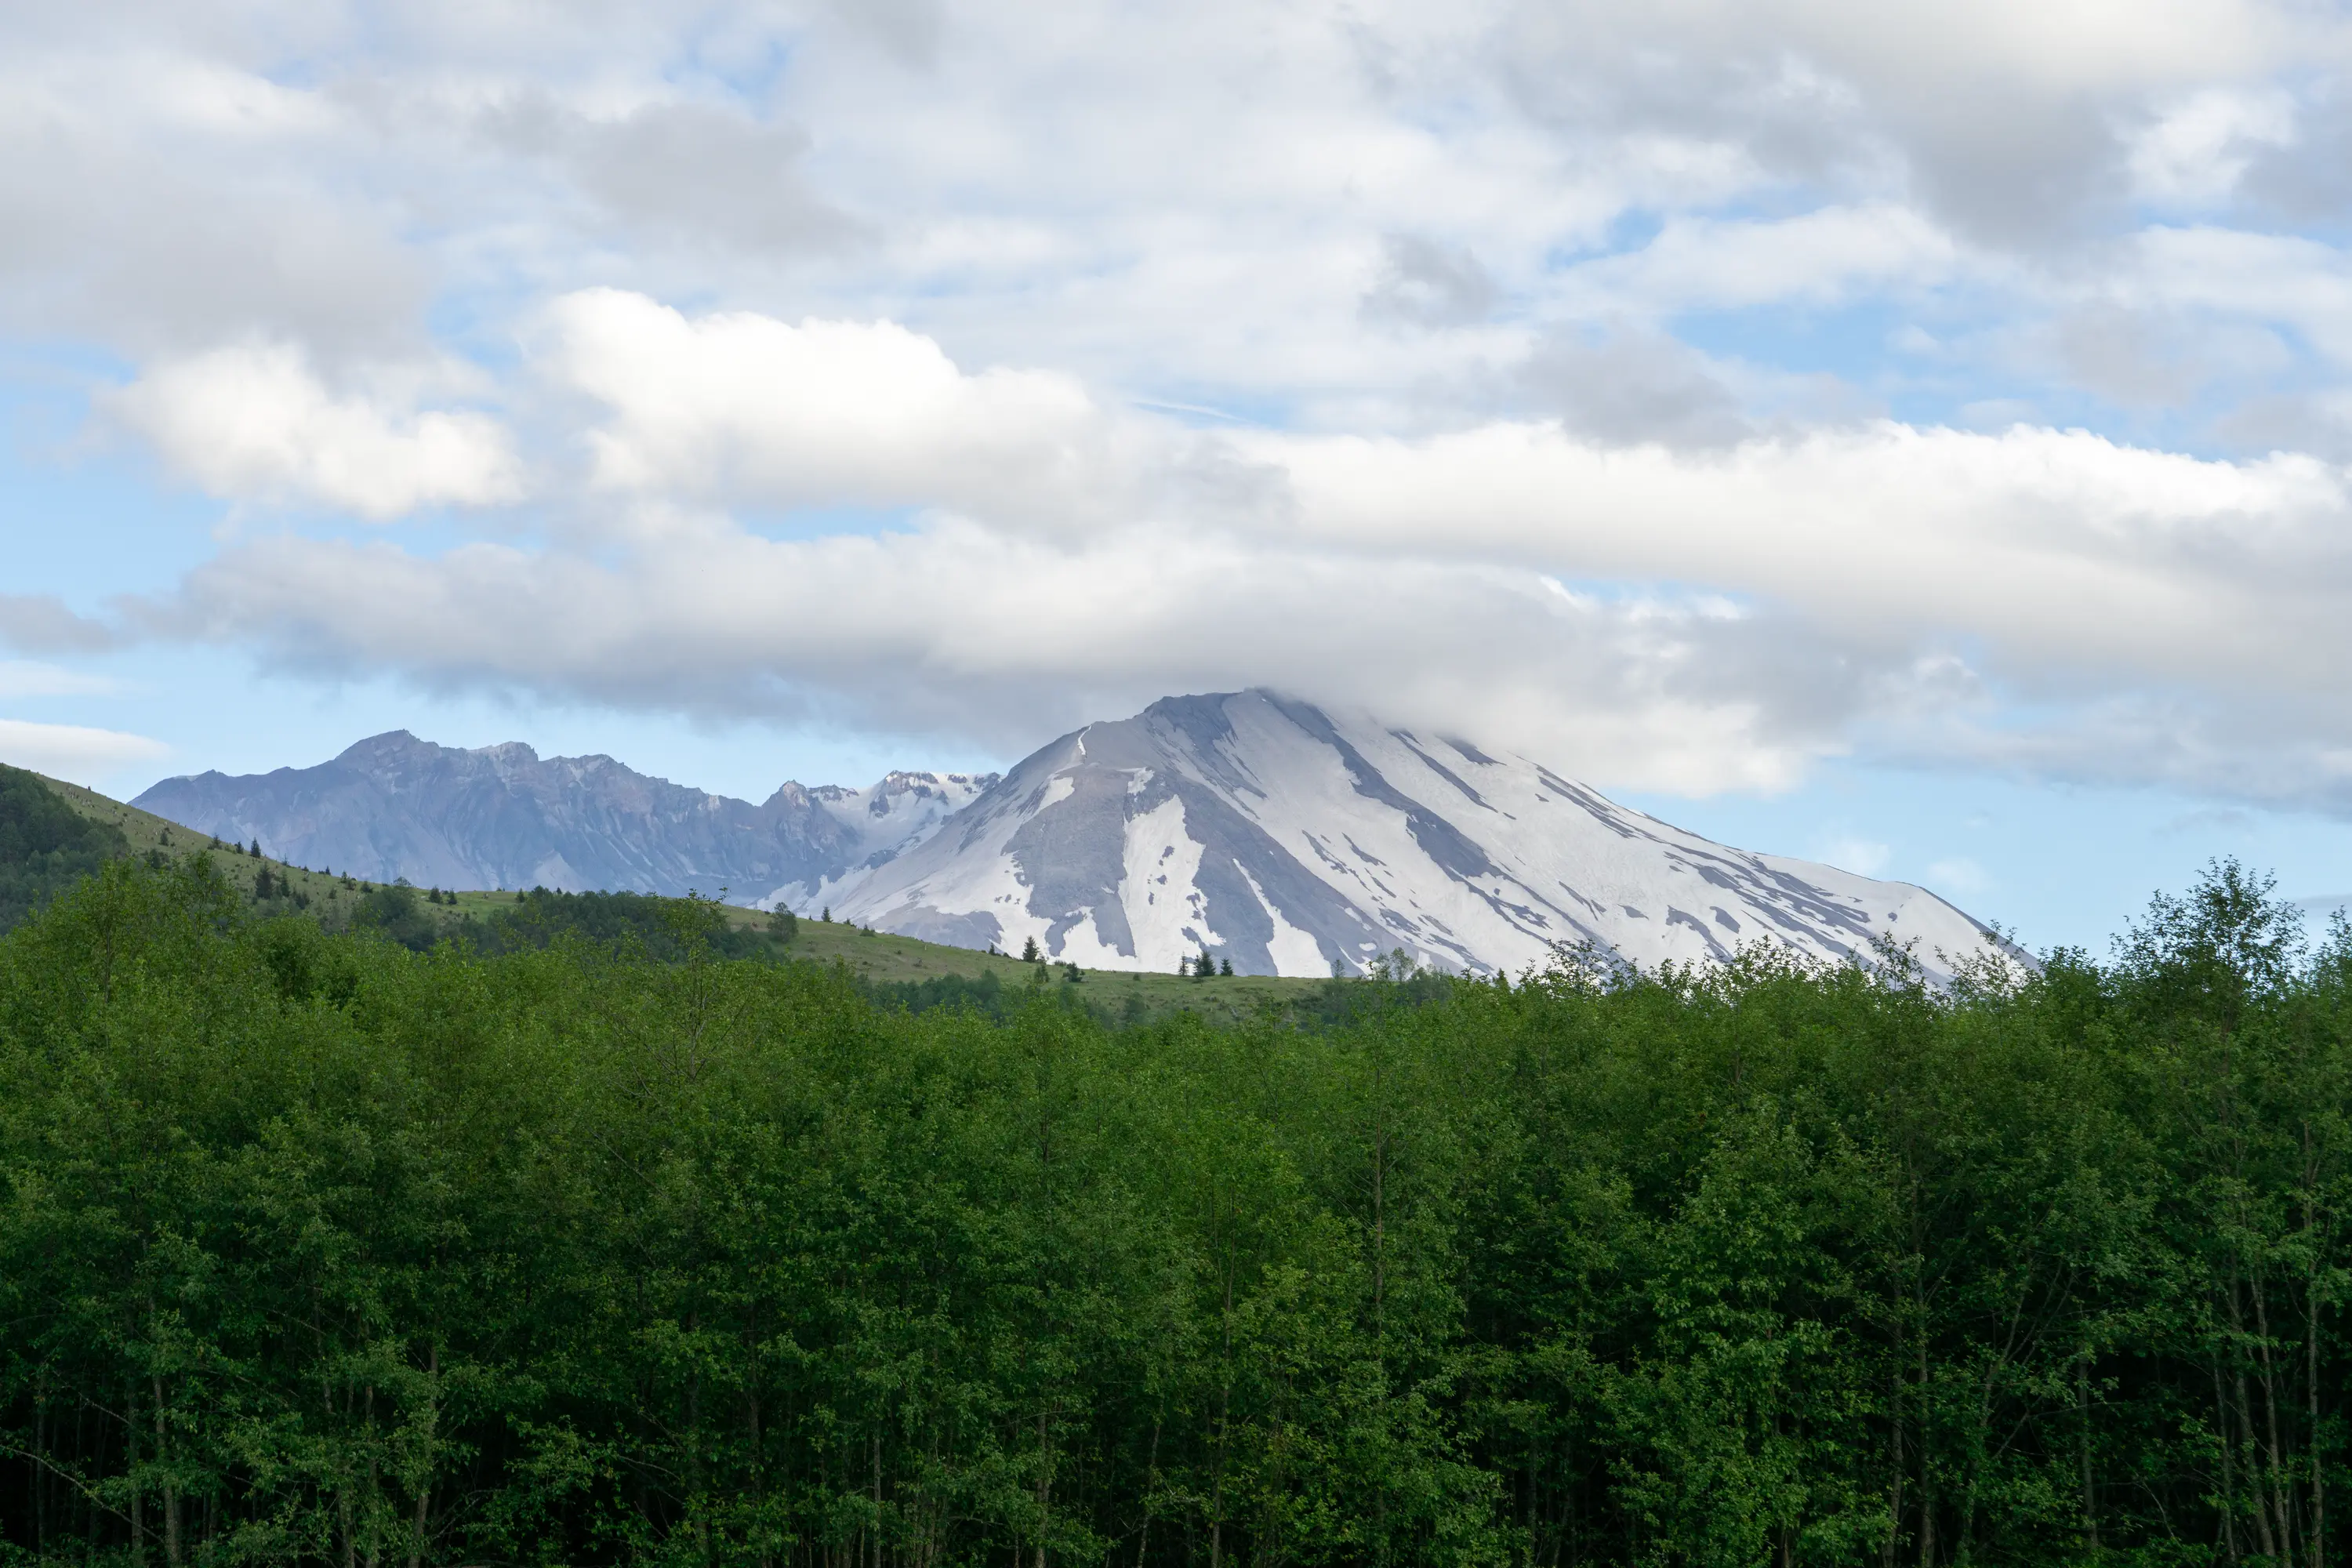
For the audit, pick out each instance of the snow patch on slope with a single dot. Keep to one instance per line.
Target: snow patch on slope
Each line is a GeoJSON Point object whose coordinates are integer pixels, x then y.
{"type": "Point", "coordinates": [1287, 840]}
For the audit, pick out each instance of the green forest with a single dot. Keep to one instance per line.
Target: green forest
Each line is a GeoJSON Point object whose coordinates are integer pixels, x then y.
{"type": "Point", "coordinates": [568, 1247]}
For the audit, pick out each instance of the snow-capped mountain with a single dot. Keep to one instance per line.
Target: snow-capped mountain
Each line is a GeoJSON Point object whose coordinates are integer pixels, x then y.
{"type": "Point", "coordinates": [1290, 840]}
{"type": "Point", "coordinates": [882, 822]}
{"type": "Point", "coordinates": [1279, 837]}
{"type": "Point", "coordinates": [503, 816]}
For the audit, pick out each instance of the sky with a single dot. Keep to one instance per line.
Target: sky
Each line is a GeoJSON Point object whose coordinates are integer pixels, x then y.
{"type": "Point", "coordinates": [1909, 436]}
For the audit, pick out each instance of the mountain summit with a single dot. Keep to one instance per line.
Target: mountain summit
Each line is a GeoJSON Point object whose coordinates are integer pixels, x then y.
{"type": "Point", "coordinates": [1291, 841]}
{"type": "Point", "coordinates": [1284, 838]}
{"type": "Point", "coordinates": [503, 816]}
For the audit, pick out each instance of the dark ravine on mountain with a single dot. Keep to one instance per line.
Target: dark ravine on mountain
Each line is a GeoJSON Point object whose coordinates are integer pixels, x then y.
{"type": "Point", "coordinates": [1282, 837]}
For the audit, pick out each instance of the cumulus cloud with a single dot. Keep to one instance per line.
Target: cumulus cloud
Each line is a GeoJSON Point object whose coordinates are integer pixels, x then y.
{"type": "Point", "coordinates": [744, 408]}
{"type": "Point", "coordinates": [1806, 589]}
{"type": "Point", "coordinates": [1520, 339]}
{"type": "Point", "coordinates": [255, 420]}
{"type": "Point", "coordinates": [2056, 548]}
{"type": "Point", "coordinates": [958, 629]}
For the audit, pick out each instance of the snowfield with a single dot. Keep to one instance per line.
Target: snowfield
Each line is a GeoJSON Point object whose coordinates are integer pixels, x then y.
{"type": "Point", "coordinates": [1291, 842]}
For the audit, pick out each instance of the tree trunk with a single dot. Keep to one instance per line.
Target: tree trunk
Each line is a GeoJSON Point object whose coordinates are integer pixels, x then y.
{"type": "Point", "coordinates": [1045, 1488]}
{"type": "Point", "coordinates": [2318, 1542]}
{"type": "Point", "coordinates": [424, 1490]}
{"type": "Point", "coordinates": [171, 1486]}
{"type": "Point", "coordinates": [2229, 1468]}
{"type": "Point", "coordinates": [40, 1477]}
{"type": "Point", "coordinates": [1926, 1478]}
{"type": "Point", "coordinates": [1151, 1485]}
{"type": "Point", "coordinates": [2083, 1434]}
{"type": "Point", "coordinates": [2282, 1484]}
{"type": "Point", "coordinates": [131, 1464]}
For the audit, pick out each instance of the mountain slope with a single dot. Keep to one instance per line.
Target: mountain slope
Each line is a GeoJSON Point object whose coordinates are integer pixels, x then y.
{"type": "Point", "coordinates": [44, 844]}
{"type": "Point", "coordinates": [1290, 841]}
{"type": "Point", "coordinates": [502, 817]}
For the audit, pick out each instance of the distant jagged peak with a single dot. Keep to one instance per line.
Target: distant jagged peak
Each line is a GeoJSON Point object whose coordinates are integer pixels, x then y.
{"type": "Point", "coordinates": [502, 817]}
{"type": "Point", "coordinates": [399, 753]}
{"type": "Point", "coordinates": [391, 743]}
{"type": "Point", "coordinates": [901, 781]}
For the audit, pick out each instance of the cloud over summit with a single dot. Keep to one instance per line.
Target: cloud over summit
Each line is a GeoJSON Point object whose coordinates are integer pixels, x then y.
{"type": "Point", "coordinates": [1702, 388]}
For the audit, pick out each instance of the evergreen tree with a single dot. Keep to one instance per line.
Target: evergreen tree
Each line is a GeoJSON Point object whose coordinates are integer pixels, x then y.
{"type": "Point", "coordinates": [1226, 967]}
{"type": "Point", "coordinates": [1029, 953]}
{"type": "Point", "coordinates": [46, 846]}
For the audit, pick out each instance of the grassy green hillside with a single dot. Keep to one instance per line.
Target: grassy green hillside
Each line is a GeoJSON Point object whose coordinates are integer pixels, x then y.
{"type": "Point", "coordinates": [330, 898]}
{"type": "Point", "coordinates": [886, 960]}
{"type": "Point", "coordinates": [901, 959]}
{"type": "Point", "coordinates": [872, 956]}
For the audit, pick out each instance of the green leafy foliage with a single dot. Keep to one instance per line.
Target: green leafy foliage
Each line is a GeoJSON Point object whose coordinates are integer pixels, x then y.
{"type": "Point", "coordinates": [45, 845]}
{"type": "Point", "coordinates": [665, 929]}
{"type": "Point", "coordinates": [393, 912]}
{"type": "Point", "coordinates": [582, 1243]}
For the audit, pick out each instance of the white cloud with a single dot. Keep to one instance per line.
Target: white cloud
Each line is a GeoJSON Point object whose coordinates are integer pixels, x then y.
{"type": "Point", "coordinates": [742, 407]}
{"type": "Point", "coordinates": [254, 421]}
{"type": "Point", "coordinates": [28, 677]}
{"type": "Point", "coordinates": [963, 630]}
{"type": "Point", "coordinates": [1818, 257]}
{"type": "Point", "coordinates": [171, 198]}
{"type": "Point", "coordinates": [72, 752]}
{"type": "Point", "coordinates": [2195, 153]}
{"type": "Point", "coordinates": [2275, 278]}
{"type": "Point", "coordinates": [1429, 257]}
{"type": "Point", "coordinates": [2059, 551]}
{"type": "Point", "coordinates": [1883, 580]}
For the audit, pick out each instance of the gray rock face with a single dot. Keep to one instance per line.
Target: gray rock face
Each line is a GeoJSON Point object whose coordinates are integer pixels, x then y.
{"type": "Point", "coordinates": [1288, 840]}
{"type": "Point", "coordinates": [1284, 838]}
{"type": "Point", "coordinates": [503, 816]}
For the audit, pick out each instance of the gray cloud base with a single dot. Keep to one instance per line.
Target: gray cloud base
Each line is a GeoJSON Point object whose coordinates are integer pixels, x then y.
{"type": "Point", "coordinates": [613, 292]}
